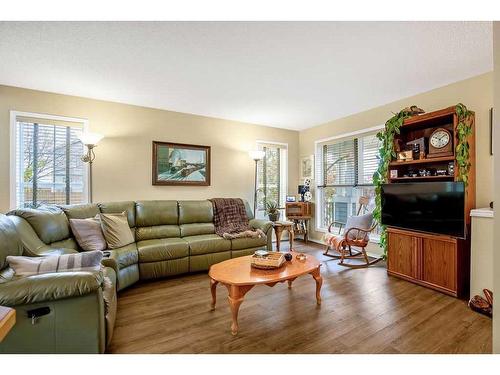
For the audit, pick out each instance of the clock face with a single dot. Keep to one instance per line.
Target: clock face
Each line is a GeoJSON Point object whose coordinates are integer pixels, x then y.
{"type": "Point", "coordinates": [440, 139]}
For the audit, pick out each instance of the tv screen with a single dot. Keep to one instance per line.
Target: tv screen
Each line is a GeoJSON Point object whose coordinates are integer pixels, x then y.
{"type": "Point", "coordinates": [434, 207]}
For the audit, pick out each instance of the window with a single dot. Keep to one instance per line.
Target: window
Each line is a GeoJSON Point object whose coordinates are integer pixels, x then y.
{"type": "Point", "coordinates": [46, 153]}
{"type": "Point", "coordinates": [344, 173]}
{"type": "Point", "coordinates": [271, 175]}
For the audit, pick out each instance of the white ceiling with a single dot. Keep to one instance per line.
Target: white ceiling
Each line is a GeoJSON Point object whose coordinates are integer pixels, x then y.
{"type": "Point", "coordinates": [285, 74]}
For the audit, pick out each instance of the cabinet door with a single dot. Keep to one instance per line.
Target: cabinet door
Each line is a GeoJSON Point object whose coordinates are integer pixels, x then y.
{"type": "Point", "coordinates": [402, 254]}
{"type": "Point", "coordinates": [439, 263]}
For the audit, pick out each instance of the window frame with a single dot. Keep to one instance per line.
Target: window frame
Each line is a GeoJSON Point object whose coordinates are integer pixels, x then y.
{"type": "Point", "coordinates": [283, 177]}
{"type": "Point", "coordinates": [13, 128]}
{"type": "Point", "coordinates": [318, 147]}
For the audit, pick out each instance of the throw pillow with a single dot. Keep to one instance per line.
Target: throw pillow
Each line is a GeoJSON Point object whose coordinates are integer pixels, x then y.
{"type": "Point", "coordinates": [116, 230]}
{"type": "Point", "coordinates": [27, 266]}
{"type": "Point", "coordinates": [88, 234]}
{"type": "Point", "coordinates": [362, 222]}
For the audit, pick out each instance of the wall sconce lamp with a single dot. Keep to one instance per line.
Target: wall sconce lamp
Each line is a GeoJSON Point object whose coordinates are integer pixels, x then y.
{"type": "Point", "coordinates": [90, 140]}
{"type": "Point", "coordinates": [256, 155]}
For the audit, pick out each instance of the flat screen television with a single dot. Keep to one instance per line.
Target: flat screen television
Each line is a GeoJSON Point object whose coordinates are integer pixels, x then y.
{"type": "Point", "coordinates": [434, 207]}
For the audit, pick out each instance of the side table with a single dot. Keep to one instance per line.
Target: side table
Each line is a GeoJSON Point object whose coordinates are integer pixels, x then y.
{"type": "Point", "coordinates": [7, 321]}
{"type": "Point", "coordinates": [279, 227]}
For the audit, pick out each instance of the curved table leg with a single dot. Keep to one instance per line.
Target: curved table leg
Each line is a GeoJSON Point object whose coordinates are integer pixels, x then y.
{"type": "Point", "coordinates": [235, 298]}
{"type": "Point", "coordinates": [290, 283]}
{"type": "Point", "coordinates": [213, 287]}
{"type": "Point", "coordinates": [319, 281]}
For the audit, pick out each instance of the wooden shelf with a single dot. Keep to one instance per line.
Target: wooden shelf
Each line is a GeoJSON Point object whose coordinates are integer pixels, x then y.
{"type": "Point", "coordinates": [423, 161]}
{"type": "Point", "coordinates": [422, 178]}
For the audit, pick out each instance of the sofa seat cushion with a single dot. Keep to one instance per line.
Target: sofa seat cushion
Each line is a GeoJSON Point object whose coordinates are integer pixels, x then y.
{"type": "Point", "coordinates": [207, 243]}
{"type": "Point", "coordinates": [162, 249]}
{"type": "Point", "coordinates": [247, 242]}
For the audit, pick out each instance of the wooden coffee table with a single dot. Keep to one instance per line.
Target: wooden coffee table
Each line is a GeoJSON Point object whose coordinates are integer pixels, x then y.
{"type": "Point", "coordinates": [239, 277]}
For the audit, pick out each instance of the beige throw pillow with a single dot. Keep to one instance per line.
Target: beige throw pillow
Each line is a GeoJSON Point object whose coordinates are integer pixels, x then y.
{"type": "Point", "coordinates": [116, 230]}
{"type": "Point", "coordinates": [88, 234]}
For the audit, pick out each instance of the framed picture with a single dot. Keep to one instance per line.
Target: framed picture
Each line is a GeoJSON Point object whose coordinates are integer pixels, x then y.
{"type": "Point", "coordinates": [307, 167]}
{"type": "Point", "coordinates": [181, 164]}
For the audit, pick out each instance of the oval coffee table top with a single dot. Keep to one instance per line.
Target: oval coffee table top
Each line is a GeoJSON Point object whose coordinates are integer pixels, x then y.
{"type": "Point", "coordinates": [238, 271]}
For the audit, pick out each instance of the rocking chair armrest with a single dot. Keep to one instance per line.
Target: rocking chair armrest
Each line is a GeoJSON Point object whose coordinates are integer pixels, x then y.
{"type": "Point", "coordinates": [366, 231]}
{"type": "Point", "coordinates": [332, 224]}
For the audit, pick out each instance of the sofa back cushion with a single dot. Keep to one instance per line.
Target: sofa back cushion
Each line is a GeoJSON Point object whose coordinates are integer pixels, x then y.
{"type": "Point", "coordinates": [195, 212]}
{"type": "Point", "coordinates": [49, 222]}
{"type": "Point", "coordinates": [119, 207]}
{"type": "Point", "coordinates": [196, 217]}
{"type": "Point", "coordinates": [81, 211]}
{"type": "Point", "coordinates": [156, 219]}
{"type": "Point", "coordinates": [248, 209]}
{"type": "Point", "coordinates": [10, 243]}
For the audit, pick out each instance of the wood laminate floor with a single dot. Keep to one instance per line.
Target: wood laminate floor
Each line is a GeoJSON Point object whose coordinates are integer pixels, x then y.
{"type": "Point", "coordinates": [363, 311]}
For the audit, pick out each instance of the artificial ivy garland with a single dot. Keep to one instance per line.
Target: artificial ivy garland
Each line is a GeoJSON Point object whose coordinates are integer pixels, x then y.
{"type": "Point", "coordinates": [462, 151]}
{"type": "Point", "coordinates": [387, 153]}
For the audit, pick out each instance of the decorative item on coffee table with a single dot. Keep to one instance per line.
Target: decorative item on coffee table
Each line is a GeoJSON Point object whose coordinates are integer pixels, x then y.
{"type": "Point", "coordinates": [268, 260]}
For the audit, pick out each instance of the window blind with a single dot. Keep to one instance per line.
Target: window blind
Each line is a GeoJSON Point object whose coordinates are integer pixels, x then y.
{"type": "Point", "coordinates": [339, 163]}
{"type": "Point", "coordinates": [269, 173]}
{"type": "Point", "coordinates": [48, 165]}
{"type": "Point", "coordinates": [368, 158]}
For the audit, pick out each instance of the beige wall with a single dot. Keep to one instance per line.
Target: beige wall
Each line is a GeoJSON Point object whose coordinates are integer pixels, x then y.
{"type": "Point", "coordinates": [122, 169]}
{"type": "Point", "coordinates": [496, 237]}
{"type": "Point", "coordinates": [476, 93]}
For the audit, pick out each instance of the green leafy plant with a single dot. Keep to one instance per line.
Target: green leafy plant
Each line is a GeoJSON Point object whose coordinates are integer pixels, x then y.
{"type": "Point", "coordinates": [386, 154]}
{"type": "Point", "coordinates": [462, 150]}
{"type": "Point", "coordinates": [272, 208]}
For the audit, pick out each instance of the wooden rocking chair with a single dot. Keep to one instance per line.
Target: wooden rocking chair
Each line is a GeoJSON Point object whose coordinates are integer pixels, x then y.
{"type": "Point", "coordinates": [341, 244]}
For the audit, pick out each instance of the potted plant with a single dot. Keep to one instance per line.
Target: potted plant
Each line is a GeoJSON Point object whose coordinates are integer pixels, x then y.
{"type": "Point", "coordinates": [272, 210]}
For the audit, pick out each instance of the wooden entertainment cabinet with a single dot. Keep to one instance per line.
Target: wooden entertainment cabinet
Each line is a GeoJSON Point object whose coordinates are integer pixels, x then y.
{"type": "Point", "coordinates": [435, 261]}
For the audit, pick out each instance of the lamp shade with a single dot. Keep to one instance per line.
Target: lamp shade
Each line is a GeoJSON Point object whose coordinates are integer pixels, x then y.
{"type": "Point", "coordinates": [88, 138]}
{"type": "Point", "coordinates": [257, 154]}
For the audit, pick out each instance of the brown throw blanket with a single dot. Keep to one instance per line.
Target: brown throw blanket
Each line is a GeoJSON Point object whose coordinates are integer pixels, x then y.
{"type": "Point", "coordinates": [231, 220]}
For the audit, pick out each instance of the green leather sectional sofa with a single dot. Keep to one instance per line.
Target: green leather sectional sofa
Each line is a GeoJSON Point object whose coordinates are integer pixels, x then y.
{"type": "Point", "coordinates": [171, 238]}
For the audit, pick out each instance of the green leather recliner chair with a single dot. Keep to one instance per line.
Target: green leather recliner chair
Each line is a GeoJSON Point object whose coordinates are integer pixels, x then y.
{"type": "Point", "coordinates": [55, 312]}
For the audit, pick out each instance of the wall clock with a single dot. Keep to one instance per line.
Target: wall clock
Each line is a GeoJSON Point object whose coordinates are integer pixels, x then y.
{"type": "Point", "coordinates": [440, 143]}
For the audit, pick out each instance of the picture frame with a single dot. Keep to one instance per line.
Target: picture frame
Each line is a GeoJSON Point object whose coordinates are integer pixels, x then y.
{"type": "Point", "coordinates": [307, 167]}
{"type": "Point", "coordinates": [179, 164]}
{"type": "Point", "coordinates": [491, 130]}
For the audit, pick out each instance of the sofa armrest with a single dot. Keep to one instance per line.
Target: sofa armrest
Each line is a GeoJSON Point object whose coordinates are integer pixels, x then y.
{"type": "Point", "coordinates": [111, 262]}
{"type": "Point", "coordinates": [49, 287]}
{"type": "Point", "coordinates": [264, 225]}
